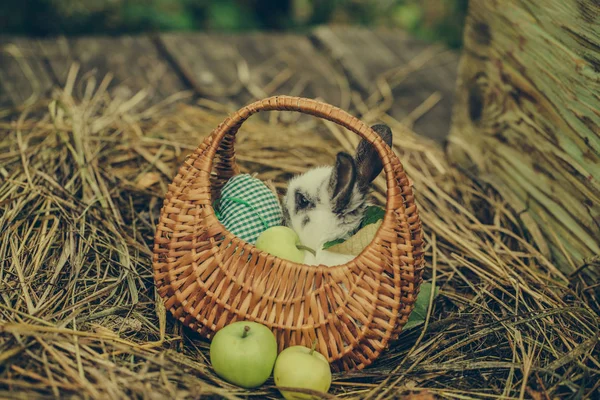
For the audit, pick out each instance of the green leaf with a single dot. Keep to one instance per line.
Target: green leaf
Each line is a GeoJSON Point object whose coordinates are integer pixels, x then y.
{"type": "Point", "coordinates": [357, 243]}
{"type": "Point", "coordinates": [419, 313]}
{"type": "Point", "coordinates": [332, 243]}
{"type": "Point", "coordinates": [372, 215]}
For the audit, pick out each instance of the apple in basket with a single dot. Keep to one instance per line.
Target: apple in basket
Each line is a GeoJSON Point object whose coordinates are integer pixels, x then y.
{"type": "Point", "coordinates": [281, 242]}
{"type": "Point", "coordinates": [243, 353]}
{"type": "Point", "coordinates": [302, 368]}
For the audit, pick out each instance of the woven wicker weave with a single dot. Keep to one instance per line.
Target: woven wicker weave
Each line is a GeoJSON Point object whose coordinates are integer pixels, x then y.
{"type": "Point", "coordinates": [210, 278]}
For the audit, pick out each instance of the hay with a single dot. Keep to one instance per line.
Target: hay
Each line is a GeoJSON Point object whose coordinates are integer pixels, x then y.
{"type": "Point", "coordinates": [81, 188]}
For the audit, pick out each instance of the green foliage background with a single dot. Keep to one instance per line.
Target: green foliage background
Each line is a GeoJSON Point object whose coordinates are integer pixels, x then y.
{"type": "Point", "coordinates": [437, 20]}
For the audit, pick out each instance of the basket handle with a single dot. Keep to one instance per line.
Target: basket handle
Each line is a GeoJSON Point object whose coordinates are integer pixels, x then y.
{"type": "Point", "coordinates": [222, 138]}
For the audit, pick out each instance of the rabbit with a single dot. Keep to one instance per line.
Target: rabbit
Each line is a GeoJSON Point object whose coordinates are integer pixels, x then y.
{"type": "Point", "coordinates": [328, 203]}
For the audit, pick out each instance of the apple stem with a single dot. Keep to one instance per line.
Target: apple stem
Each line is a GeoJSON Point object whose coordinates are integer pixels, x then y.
{"type": "Point", "coordinates": [314, 346]}
{"type": "Point", "coordinates": [303, 247]}
{"type": "Point", "coordinates": [246, 330]}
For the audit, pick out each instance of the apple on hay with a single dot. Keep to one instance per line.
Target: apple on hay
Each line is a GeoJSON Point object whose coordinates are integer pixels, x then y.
{"type": "Point", "coordinates": [282, 242]}
{"type": "Point", "coordinates": [301, 368]}
{"type": "Point", "coordinates": [243, 353]}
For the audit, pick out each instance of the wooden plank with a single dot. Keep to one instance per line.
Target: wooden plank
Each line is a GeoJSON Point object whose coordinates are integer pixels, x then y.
{"type": "Point", "coordinates": [440, 71]}
{"type": "Point", "coordinates": [437, 73]}
{"type": "Point", "coordinates": [210, 68]}
{"type": "Point", "coordinates": [134, 62]}
{"type": "Point", "coordinates": [243, 68]}
{"type": "Point", "coordinates": [528, 114]}
{"type": "Point", "coordinates": [23, 75]}
{"type": "Point", "coordinates": [360, 53]}
{"type": "Point", "coordinates": [294, 61]}
{"type": "Point", "coordinates": [415, 69]}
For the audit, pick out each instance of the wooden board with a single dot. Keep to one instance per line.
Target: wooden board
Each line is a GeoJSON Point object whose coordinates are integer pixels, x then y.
{"type": "Point", "coordinates": [415, 69]}
{"type": "Point", "coordinates": [528, 115]}
{"type": "Point", "coordinates": [243, 68]}
{"type": "Point", "coordinates": [23, 76]}
{"type": "Point", "coordinates": [237, 69]}
{"type": "Point", "coordinates": [133, 61]}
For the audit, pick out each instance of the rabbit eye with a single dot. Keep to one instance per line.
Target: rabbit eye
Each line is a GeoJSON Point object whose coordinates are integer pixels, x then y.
{"type": "Point", "coordinates": [301, 201]}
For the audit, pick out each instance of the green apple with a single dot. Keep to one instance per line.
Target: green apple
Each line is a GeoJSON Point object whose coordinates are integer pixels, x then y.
{"type": "Point", "coordinates": [243, 353]}
{"type": "Point", "coordinates": [302, 368]}
{"type": "Point", "coordinates": [282, 242]}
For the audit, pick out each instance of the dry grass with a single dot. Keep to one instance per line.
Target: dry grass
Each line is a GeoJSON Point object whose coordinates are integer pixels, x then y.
{"type": "Point", "coordinates": [80, 192]}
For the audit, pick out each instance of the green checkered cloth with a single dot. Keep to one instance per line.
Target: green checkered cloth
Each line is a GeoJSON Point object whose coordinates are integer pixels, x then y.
{"type": "Point", "coordinates": [247, 207]}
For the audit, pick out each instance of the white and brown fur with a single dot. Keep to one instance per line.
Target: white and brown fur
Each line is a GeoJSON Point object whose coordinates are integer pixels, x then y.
{"type": "Point", "coordinates": [327, 203]}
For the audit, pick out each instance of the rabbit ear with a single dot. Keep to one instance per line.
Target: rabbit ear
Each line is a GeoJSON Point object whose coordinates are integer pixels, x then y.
{"type": "Point", "coordinates": [342, 181]}
{"type": "Point", "coordinates": [368, 162]}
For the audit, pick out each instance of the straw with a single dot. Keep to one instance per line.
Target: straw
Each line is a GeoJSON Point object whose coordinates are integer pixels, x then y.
{"type": "Point", "coordinates": [79, 203]}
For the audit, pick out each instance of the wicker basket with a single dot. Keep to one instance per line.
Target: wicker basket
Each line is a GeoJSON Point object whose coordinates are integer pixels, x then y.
{"type": "Point", "coordinates": [210, 278]}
